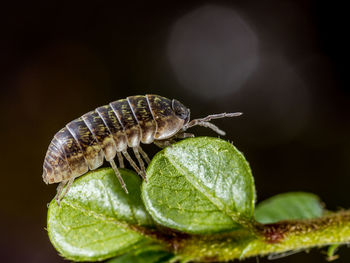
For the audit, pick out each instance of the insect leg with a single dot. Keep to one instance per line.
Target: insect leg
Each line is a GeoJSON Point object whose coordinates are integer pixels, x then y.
{"type": "Point", "coordinates": [164, 143]}
{"type": "Point", "coordinates": [121, 160]}
{"type": "Point", "coordinates": [139, 159]}
{"type": "Point", "coordinates": [184, 135]}
{"type": "Point", "coordinates": [168, 143]}
{"type": "Point", "coordinates": [144, 155]}
{"type": "Point", "coordinates": [59, 191]}
{"type": "Point", "coordinates": [117, 173]}
{"type": "Point", "coordinates": [67, 185]}
{"type": "Point", "coordinates": [133, 164]}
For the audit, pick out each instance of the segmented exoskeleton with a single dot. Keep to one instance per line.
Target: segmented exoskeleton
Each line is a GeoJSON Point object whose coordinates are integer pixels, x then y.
{"type": "Point", "coordinates": [109, 130]}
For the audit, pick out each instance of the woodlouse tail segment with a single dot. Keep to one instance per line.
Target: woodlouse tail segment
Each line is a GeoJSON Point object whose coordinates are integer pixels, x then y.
{"type": "Point", "coordinates": [120, 178]}
{"type": "Point", "coordinates": [205, 122]}
{"type": "Point", "coordinates": [45, 179]}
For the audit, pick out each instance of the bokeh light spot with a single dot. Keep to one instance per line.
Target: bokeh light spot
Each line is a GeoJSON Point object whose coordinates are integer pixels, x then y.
{"type": "Point", "coordinates": [212, 51]}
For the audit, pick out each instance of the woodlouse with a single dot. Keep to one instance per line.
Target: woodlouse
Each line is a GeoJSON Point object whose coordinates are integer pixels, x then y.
{"type": "Point", "coordinates": [108, 131]}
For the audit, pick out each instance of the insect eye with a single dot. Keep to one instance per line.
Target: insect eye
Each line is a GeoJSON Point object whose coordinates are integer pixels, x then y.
{"type": "Point", "coordinates": [180, 110]}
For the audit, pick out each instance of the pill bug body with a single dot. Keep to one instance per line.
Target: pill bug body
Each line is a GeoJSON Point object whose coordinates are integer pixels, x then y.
{"type": "Point", "coordinates": [109, 130]}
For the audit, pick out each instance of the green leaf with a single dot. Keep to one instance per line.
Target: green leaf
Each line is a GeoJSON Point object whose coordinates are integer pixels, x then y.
{"type": "Point", "coordinates": [200, 185]}
{"type": "Point", "coordinates": [293, 205]}
{"type": "Point", "coordinates": [94, 219]}
{"type": "Point", "coordinates": [153, 254]}
{"type": "Point", "coordinates": [331, 252]}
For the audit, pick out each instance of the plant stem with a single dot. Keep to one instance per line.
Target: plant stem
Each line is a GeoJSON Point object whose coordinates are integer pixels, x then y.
{"type": "Point", "coordinates": [281, 237]}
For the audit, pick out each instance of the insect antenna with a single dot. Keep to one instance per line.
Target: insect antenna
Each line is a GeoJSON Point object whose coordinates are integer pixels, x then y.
{"type": "Point", "coordinates": [205, 122]}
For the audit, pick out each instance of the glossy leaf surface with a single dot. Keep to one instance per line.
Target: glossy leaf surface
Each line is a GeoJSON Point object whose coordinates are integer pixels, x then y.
{"type": "Point", "coordinates": [200, 185]}
{"type": "Point", "coordinates": [293, 205]}
{"type": "Point", "coordinates": [94, 219]}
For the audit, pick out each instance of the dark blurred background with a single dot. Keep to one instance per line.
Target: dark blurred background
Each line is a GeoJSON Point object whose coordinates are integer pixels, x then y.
{"type": "Point", "coordinates": [282, 63]}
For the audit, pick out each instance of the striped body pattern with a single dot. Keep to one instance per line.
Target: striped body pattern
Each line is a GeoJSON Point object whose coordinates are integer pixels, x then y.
{"type": "Point", "coordinates": [108, 131]}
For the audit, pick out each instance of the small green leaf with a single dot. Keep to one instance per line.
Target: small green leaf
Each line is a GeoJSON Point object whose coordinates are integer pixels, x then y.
{"type": "Point", "coordinates": [200, 185]}
{"type": "Point", "coordinates": [331, 252]}
{"type": "Point", "coordinates": [153, 254]}
{"type": "Point", "coordinates": [94, 219]}
{"type": "Point", "coordinates": [294, 205]}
